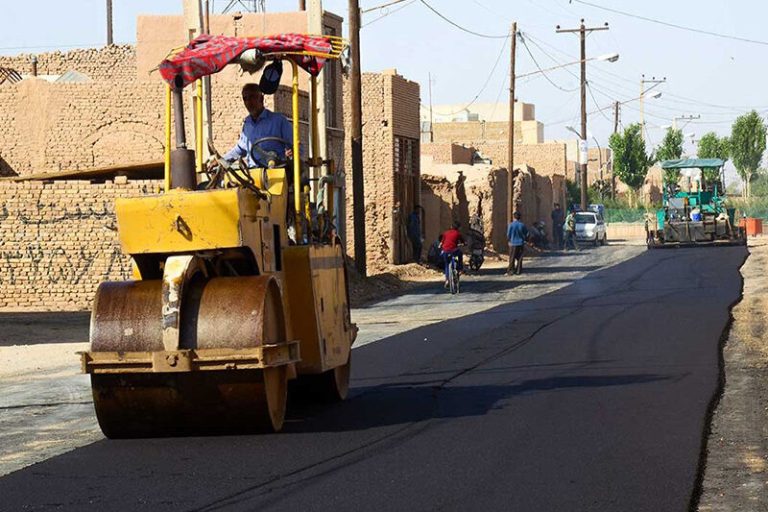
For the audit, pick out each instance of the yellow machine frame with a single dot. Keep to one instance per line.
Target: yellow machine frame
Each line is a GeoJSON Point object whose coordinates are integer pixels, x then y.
{"type": "Point", "coordinates": [180, 235]}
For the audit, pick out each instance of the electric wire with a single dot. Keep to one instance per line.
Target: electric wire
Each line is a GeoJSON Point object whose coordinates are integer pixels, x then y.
{"type": "Point", "coordinates": [525, 44]}
{"type": "Point", "coordinates": [382, 6]}
{"type": "Point", "coordinates": [589, 88]}
{"type": "Point", "coordinates": [388, 13]}
{"type": "Point", "coordinates": [487, 80]}
{"type": "Point", "coordinates": [478, 34]}
{"type": "Point", "coordinates": [674, 25]}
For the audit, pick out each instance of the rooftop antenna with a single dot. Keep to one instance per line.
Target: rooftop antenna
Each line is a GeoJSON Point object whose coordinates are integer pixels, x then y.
{"type": "Point", "coordinates": [245, 5]}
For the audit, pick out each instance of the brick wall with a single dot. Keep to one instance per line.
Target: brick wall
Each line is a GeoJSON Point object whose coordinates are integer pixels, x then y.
{"type": "Point", "coordinates": [390, 108]}
{"type": "Point", "coordinates": [56, 239]}
{"type": "Point", "coordinates": [526, 132]}
{"type": "Point", "coordinates": [456, 192]}
{"type": "Point", "coordinates": [58, 242]}
{"type": "Point", "coordinates": [50, 127]}
{"type": "Point", "coordinates": [447, 153]}
{"type": "Point", "coordinates": [115, 63]}
{"type": "Point", "coordinates": [547, 158]}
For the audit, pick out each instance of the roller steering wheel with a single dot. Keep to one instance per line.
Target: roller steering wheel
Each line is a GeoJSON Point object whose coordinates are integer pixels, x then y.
{"type": "Point", "coordinates": [258, 154]}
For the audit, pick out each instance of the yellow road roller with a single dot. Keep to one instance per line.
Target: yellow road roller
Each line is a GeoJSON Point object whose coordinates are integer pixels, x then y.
{"type": "Point", "coordinates": [239, 277]}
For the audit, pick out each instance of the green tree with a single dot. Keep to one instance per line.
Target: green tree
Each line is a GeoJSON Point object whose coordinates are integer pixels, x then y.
{"type": "Point", "coordinates": [712, 146]}
{"type": "Point", "coordinates": [671, 149]}
{"type": "Point", "coordinates": [759, 186]}
{"type": "Point", "coordinates": [747, 146]}
{"type": "Point", "coordinates": [630, 161]}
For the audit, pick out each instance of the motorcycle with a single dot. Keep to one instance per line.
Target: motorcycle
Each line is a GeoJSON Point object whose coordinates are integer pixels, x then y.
{"type": "Point", "coordinates": [476, 243]}
{"type": "Point", "coordinates": [537, 235]}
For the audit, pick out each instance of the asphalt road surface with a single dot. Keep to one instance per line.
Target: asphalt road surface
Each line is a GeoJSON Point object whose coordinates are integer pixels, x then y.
{"type": "Point", "coordinates": [593, 397]}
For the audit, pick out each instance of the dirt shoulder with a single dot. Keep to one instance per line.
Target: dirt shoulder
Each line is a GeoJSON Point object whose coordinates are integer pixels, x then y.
{"type": "Point", "coordinates": [736, 475]}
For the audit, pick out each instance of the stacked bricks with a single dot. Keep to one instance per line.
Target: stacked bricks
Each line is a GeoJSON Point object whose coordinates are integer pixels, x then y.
{"type": "Point", "coordinates": [58, 241]}
{"type": "Point", "coordinates": [116, 63]}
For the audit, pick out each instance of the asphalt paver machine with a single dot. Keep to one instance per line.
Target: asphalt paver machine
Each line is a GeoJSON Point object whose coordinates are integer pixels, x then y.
{"type": "Point", "coordinates": [239, 282]}
{"type": "Point", "coordinates": [695, 214]}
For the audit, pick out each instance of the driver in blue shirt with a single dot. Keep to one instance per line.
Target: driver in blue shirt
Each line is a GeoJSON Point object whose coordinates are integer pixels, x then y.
{"type": "Point", "coordinates": [260, 123]}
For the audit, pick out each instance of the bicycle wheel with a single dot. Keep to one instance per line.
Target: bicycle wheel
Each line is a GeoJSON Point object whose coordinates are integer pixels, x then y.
{"type": "Point", "coordinates": [453, 278]}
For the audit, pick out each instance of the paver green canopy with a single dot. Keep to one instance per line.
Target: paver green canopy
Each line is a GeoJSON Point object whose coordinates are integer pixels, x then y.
{"type": "Point", "coordinates": [690, 163]}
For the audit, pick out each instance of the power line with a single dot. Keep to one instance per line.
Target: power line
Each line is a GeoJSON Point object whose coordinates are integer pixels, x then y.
{"type": "Point", "coordinates": [487, 80]}
{"type": "Point", "coordinates": [393, 11]}
{"type": "Point", "coordinates": [589, 88]}
{"type": "Point", "coordinates": [382, 6]}
{"type": "Point", "coordinates": [674, 25]}
{"type": "Point", "coordinates": [478, 34]}
{"type": "Point", "coordinates": [540, 69]}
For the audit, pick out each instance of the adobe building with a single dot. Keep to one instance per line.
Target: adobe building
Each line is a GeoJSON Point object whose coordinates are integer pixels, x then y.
{"type": "Point", "coordinates": [390, 166]}
{"type": "Point", "coordinates": [90, 128]}
{"type": "Point", "coordinates": [455, 186]}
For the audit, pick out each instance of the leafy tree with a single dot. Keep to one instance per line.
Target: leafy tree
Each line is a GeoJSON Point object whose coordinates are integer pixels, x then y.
{"type": "Point", "coordinates": [572, 193]}
{"type": "Point", "coordinates": [747, 146]}
{"type": "Point", "coordinates": [630, 161]}
{"type": "Point", "coordinates": [759, 186]}
{"type": "Point", "coordinates": [671, 149]}
{"type": "Point", "coordinates": [712, 146]}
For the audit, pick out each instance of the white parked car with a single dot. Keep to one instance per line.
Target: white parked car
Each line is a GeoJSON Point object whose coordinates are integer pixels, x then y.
{"type": "Point", "coordinates": [590, 227]}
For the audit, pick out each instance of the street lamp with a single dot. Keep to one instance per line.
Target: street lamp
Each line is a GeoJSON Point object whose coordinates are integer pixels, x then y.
{"type": "Point", "coordinates": [608, 57]}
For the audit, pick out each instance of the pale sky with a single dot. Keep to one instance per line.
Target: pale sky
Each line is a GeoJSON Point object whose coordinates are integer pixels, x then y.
{"type": "Point", "coordinates": [713, 77]}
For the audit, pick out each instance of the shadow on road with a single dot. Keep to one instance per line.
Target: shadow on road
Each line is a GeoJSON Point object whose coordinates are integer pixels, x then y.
{"type": "Point", "coordinates": [388, 405]}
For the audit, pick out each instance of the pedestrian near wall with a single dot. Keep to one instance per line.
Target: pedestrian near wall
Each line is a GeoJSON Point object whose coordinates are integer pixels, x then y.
{"type": "Point", "coordinates": [517, 234]}
{"type": "Point", "coordinates": [558, 219]}
{"type": "Point", "coordinates": [570, 231]}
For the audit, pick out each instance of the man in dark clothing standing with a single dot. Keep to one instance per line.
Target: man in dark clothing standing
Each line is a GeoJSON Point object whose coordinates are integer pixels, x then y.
{"type": "Point", "coordinates": [517, 233]}
{"type": "Point", "coordinates": [558, 219]}
{"type": "Point", "coordinates": [413, 229]}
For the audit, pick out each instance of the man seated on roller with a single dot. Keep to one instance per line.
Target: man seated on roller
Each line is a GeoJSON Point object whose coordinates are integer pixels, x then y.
{"type": "Point", "coordinates": [262, 123]}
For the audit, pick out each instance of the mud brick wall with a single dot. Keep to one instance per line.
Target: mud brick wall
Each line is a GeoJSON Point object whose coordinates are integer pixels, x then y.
{"type": "Point", "coordinates": [50, 127]}
{"type": "Point", "coordinates": [526, 132]}
{"type": "Point", "coordinates": [453, 196]}
{"type": "Point", "coordinates": [547, 158]}
{"type": "Point", "coordinates": [116, 63]}
{"type": "Point", "coordinates": [390, 107]}
{"type": "Point", "coordinates": [58, 241]}
{"type": "Point", "coordinates": [447, 153]}
{"type": "Point", "coordinates": [559, 192]}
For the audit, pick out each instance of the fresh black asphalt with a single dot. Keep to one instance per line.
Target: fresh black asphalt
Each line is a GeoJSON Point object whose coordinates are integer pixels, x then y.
{"type": "Point", "coordinates": [593, 397]}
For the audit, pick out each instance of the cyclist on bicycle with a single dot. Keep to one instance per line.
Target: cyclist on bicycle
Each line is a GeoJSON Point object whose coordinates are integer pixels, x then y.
{"type": "Point", "coordinates": [451, 240]}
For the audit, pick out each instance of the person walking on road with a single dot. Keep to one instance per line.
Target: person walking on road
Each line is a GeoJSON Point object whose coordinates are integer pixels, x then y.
{"type": "Point", "coordinates": [517, 233]}
{"type": "Point", "coordinates": [570, 230]}
{"type": "Point", "coordinates": [558, 219]}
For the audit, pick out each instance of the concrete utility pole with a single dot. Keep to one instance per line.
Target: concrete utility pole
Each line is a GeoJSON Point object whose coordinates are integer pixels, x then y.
{"type": "Point", "coordinates": [583, 30]}
{"type": "Point", "coordinates": [511, 142]}
{"type": "Point", "coordinates": [109, 22]}
{"type": "Point", "coordinates": [356, 128]}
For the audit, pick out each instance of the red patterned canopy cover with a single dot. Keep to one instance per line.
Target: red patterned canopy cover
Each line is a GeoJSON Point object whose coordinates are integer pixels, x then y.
{"type": "Point", "coordinates": [208, 54]}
